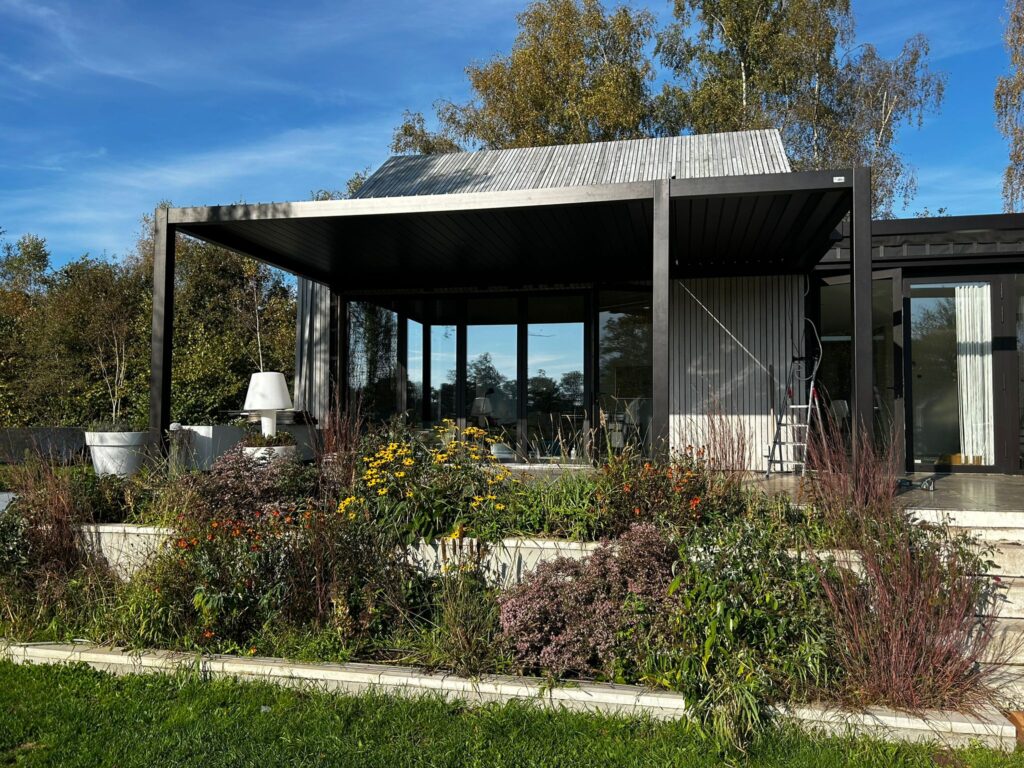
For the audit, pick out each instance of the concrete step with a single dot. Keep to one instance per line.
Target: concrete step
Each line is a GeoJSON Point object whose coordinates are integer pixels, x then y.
{"type": "Point", "coordinates": [984, 522]}
{"type": "Point", "coordinates": [1008, 557]}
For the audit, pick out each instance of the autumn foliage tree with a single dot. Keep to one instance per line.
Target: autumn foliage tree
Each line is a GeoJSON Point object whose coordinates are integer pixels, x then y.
{"type": "Point", "coordinates": [579, 72]}
{"type": "Point", "coordinates": [576, 73]}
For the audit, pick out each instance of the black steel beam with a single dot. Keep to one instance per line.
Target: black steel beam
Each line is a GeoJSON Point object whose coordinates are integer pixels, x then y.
{"type": "Point", "coordinates": [762, 183]}
{"type": "Point", "coordinates": [163, 323]}
{"type": "Point", "coordinates": [861, 378]}
{"type": "Point", "coordinates": [381, 206]}
{"type": "Point", "coordinates": [661, 290]}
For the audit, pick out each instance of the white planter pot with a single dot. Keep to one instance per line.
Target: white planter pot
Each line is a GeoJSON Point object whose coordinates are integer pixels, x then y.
{"type": "Point", "coordinates": [270, 452]}
{"type": "Point", "coordinates": [208, 443]}
{"type": "Point", "coordinates": [119, 453]}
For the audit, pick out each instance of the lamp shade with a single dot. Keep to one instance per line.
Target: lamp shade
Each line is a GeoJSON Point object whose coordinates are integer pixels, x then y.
{"type": "Point", "coordinates": [267, 392]}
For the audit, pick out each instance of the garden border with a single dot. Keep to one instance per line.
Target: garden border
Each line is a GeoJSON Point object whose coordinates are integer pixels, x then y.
{"type": "Point", "coordinates": [952, 729]}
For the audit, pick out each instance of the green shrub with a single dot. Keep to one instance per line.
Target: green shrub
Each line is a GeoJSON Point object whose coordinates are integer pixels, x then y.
{"type": "Point", "coordinates": [562, 507]}
{"type": "Point", "coordinates": [748, 629]}
{"type": "Point", "coordinates": [459, 631]}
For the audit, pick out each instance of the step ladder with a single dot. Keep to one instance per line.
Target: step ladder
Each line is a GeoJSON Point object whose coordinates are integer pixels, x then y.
{"type": "Point", "coordinates": [794, 421]}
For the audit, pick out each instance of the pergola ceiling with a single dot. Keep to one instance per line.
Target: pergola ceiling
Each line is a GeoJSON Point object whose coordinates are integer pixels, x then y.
{"type": "Point", "coordinates": [573, 240]}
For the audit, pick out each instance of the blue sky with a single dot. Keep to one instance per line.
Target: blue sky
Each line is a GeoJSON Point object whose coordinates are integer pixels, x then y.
{"type": "Point", "coordinates": [110, 106]}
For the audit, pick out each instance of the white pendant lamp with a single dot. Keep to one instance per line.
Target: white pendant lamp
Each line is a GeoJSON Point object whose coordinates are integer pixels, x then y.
{"type": "Point", "coordinates": [268, 394]}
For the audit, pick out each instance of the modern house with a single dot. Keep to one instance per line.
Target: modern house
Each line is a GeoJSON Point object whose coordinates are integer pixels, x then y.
{"type": "Point", "coordinates": [636, 291]}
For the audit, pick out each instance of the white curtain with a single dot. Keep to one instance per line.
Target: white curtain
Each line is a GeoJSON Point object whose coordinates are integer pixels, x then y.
{"type": "Point", "coordinates": [974, 372]}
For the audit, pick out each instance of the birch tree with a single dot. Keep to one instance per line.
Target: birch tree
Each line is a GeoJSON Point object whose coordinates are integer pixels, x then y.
{"type": "Point", "coordinates": [1009, 104]}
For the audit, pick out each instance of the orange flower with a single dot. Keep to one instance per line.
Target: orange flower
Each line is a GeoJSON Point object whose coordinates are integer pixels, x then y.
{"type": "Point", "coordinates": [637, 511]}
{"type": "Point", "coordinates": [694, 502]}
{"type": "Point", "coordinates": [207, 634]}
{"type": "Point", "coordinates": [213, 524]}
{"type": "Point", "coordinates": [182, 544]}
{"type": "Point", "coordinates": [287, 519]}
{"type": "Point", "coordinates": [627, 487]}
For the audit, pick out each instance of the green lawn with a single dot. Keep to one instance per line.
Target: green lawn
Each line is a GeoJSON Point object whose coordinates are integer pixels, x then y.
{"type": "Point", "coordinates": [73, 716]}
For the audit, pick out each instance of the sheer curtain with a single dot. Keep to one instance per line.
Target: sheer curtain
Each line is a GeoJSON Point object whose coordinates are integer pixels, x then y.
{"type": "Point", "coordinates": [974, 372]}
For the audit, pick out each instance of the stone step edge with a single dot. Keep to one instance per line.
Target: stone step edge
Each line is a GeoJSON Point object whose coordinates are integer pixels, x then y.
{"type": "Point", "coordinates": [951, 728]}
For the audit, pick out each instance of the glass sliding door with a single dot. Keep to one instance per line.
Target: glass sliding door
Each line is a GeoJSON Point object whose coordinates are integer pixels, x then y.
{"type": "Point", "coordinates": [1017, 297]}
{"type": "Point", "coordinates": [556, 413]}
{"type": "Point", "coordinates": [835, 327]}
{"type": "Point", "coordinates": [952, 406]}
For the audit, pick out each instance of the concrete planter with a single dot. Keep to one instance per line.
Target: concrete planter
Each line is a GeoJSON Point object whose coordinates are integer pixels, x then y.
{"type": "Point", "coordinates": [62, 444]}
{"type": "Point", "coordinates": [126, 548]}
{"type": "Point", "coordinates": [120, 453]}
{"type": "Point", "coordinates": [207, 443]}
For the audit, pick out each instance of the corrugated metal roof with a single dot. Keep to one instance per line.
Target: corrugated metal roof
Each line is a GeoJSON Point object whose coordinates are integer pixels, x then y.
{"type": "Point", "coordinates": [683, 157]}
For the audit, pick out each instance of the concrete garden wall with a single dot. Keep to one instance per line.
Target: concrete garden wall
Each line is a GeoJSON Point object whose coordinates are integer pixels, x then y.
{"type": "Point", "coordinates": [951, 729]}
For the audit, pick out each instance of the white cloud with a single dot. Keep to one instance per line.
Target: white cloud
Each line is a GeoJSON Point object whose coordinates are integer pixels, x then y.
{"type": "Point", "coordinates": [97, 209]}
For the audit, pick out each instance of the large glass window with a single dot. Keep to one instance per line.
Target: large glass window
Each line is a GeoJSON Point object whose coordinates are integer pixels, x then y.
{"type": "Point", "coordinates": [624, 365]}
{"type": "Point", "coordinates": [556, 412]}
{"type": "Point", "coordinates": [373, 359]}
{"type": "Point", "coordinates": [442, 372]}
{"type": "Point", "coordinates": [492, 395]}
{"type": "Point", "coordinates": [414, 375]}
{"type": "Point", "coordinates": [951, 373]}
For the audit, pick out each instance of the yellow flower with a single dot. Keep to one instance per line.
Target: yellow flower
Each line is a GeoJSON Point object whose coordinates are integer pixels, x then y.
{"type": "Point", "coordinates": [408, 462]}
{"type": "Point", "coordinates": [382, 492]}
{"type": "Point", "coordinates": [399, 474]}
{"type": "Point", "coordinates": [408, 494]}
{"type": "Point", "coordinates": [499, 507]}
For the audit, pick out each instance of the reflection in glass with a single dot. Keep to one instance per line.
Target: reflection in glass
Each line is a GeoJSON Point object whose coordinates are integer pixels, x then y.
{"type": "Point", "coordinates": [835, 329]}
{"type": "Point", "coordinates": [951, 373]}
{"type": "Point", "coordinates": [491, 394]}
{"type": "Point", "coordinates": [624, 365]}
{"type": "Point", "coordinates": [491, 391]}
{"type": "Point", "coordinates": [556, 413]}
{"type": "Point", "coordinates": [373, 359]}
{"type": "Point", "coordinates": [442, 372]}
{"type": "Point", "coordinates": [414, 375]}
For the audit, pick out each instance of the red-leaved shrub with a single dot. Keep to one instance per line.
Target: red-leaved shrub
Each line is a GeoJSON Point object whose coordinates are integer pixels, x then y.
{"type": "Point", "coordinates": [913, 614]}
{"type": "Point", "coordinates": [568, 616]}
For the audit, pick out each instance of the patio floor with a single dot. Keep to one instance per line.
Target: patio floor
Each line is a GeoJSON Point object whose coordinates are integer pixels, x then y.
{"type": "Point", "coordinates": [953, 492]}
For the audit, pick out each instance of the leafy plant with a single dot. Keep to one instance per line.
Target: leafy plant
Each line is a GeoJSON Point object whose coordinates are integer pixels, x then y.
{"type": "Point", "coordinates": [748, 628]}
{"type": "Point", "coordinates": [259, 440]}
{"type": "Point", "coordinates": [460, 628]}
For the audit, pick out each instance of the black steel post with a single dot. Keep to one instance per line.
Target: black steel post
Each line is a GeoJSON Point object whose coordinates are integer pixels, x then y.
{"type": "Point", "coordinates": [163, 323]}
{"type": "Point", "coordinates": [861, 376]}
